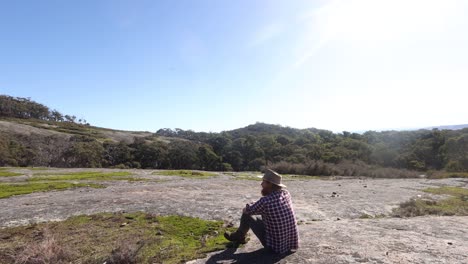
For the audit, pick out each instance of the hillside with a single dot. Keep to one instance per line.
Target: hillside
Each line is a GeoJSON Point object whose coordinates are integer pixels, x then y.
{"type": "Point", "coordinates": [33, 135]}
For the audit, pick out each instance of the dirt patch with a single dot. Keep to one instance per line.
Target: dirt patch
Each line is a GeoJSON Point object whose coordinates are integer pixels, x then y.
{"type": "Point", "coordinates": [125, 136]}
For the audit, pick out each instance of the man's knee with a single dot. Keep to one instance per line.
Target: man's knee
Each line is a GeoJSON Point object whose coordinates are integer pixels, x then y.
{"type": "Point", "coordinates": [248, 218]}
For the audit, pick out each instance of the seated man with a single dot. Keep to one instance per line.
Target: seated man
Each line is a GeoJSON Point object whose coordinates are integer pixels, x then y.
{"type": "Point", "coordinates": [277, 230]}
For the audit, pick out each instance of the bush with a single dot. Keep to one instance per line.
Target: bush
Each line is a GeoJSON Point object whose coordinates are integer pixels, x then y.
{"type": "Point", "coordinates": [225, 167]}
{"type": "Point", "coordinates": [123, 255]}
{"type": "Point", "coordinates": [120, 166]}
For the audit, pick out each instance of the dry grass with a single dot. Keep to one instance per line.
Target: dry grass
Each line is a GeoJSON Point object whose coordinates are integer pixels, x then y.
{"type": "Point", "coordinates": [49, 250]}
{"type": "Point", "coordinates": [125, 254]}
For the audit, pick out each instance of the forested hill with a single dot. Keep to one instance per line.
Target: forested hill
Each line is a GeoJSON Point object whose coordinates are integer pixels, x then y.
{"type": "Point", "coordinates": [33, 135]}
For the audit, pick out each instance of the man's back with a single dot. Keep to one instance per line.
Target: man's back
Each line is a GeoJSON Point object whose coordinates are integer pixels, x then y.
{"type": "Point", "coordinates": [280, 223]}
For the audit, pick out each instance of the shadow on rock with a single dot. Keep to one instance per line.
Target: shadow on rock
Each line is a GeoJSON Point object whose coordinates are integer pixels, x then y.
{"type": "Point", "coordinates": [258, 256]}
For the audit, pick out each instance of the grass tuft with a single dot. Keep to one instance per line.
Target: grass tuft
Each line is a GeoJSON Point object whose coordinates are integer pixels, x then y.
{"type": "Point", "coordinates": [9, 189]}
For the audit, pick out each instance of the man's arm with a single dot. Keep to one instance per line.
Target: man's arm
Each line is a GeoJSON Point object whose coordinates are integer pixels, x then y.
{"type": "Point", "coordinates": [256, 208]}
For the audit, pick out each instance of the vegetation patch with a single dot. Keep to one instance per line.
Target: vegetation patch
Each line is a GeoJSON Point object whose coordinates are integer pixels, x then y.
{"type": "Point", "coordinates": [40, 168]}
{"type": "Point", "coordinates": [457, 204]}
{"type": "Point", "coordinates": [185, 173]}
{"type": "Point", "coordinates": [301, 177]}
{"type": "Point", "coordinates": [448, 190]}
{"type": "Point", "coordinates": [253, 176]}
{"type": "Point", "coordinates": [85, 175]}
{"type": "Point", "coordinates": [368, 216]}
{"type": "Point", "coordinates": [444, 175]}
{"type": "Point", "coordinates": [113, 238]}
{"type": "Point", "coordinates": [5, 173]}
{"type": "Point", "coordinates": [10, 189]}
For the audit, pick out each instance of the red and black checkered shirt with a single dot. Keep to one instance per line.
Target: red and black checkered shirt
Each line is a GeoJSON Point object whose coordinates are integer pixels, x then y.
{"type": "Point", "coordinates": [277, 214]}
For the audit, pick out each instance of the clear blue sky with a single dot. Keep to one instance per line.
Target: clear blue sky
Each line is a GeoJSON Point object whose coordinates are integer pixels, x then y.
{"type": "Point", "coordinates": [218, 65]}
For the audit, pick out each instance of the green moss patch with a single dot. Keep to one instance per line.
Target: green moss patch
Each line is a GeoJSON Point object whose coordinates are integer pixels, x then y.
{"type": "Point", "coordinates": [85, 175]}
{"type": "Point", "coordinates": [5, 173]}
{"type": "Point", "coordinates": [448, 190]}
{"type": "Point", "coordinates": [457, 204]}
{"type": "Point", "coordinates": [185, 173]}
{"type": "Point", "coordinates": [114, 238]}
{"type": "Point", "coordinates": [10, 189]}
{"type": "Point", "coordinates": [444, 175]}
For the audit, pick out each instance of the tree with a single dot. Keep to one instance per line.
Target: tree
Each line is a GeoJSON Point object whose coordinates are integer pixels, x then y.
{"type": "Point", "coordinates": [457, 153]}
{"type": "Point", "coordinates": [208, 159]}
{"type": "Point", "coordinates": [117, 154]}
{"type": "Point", "coordinates": [183, 155]}
{"type": "Point", "coordinates": [84, 152]}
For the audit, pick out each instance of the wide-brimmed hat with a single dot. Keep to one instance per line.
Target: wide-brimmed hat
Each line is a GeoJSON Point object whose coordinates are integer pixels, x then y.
{"type": "Point", "coordinates": [273, 177]}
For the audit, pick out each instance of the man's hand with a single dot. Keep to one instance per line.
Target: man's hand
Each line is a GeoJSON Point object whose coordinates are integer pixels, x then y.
{"type": "Point", "coordinates": [244, 210]}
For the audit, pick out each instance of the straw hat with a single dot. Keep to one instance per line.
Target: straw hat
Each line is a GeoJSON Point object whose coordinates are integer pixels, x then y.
{"type": "Point", "coordinates": [273, 177]}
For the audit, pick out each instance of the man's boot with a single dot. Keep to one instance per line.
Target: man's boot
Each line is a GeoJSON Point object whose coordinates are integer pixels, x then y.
{"type": "Point", "coordinates": [236, 237]}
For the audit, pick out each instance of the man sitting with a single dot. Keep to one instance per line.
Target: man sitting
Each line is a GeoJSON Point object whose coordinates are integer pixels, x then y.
{"type": "Point", "coordinates": [277, 228]}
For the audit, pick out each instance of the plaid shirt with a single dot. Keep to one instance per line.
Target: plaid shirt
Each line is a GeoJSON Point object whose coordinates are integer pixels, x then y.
{"type": "Point", "coordinates": [280, 223]}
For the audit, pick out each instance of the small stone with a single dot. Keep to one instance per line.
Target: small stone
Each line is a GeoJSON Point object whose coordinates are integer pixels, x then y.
{"type": "Point", "coordinates": [338, 219]}
{"type": "Point", "coordinates": [450, 243]}
{"type": "Point", "coordinates": [5, 236]}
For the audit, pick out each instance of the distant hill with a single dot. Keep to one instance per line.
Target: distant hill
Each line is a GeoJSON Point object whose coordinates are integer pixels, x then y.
{"type": "Point", "coordinates": [451, 127]}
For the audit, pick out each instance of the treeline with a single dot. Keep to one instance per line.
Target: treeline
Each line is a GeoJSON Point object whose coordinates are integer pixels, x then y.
{"type": "Point", "coordinates": [25, 108]}
{"type": "Point", "coordinates": [308, 151]}
{"type": "Point", "coordinates": [265, 145]}
{"type": "Point", "coordinates": [85, 151]}
{"type": "Point", "coordinates": [289, 150]}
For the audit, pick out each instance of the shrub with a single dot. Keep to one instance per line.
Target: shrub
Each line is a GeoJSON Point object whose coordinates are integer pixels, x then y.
{"type": "Point", "coordinates": [225, 167]}
{"type": "Point", "coordinates": [123, 255]}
